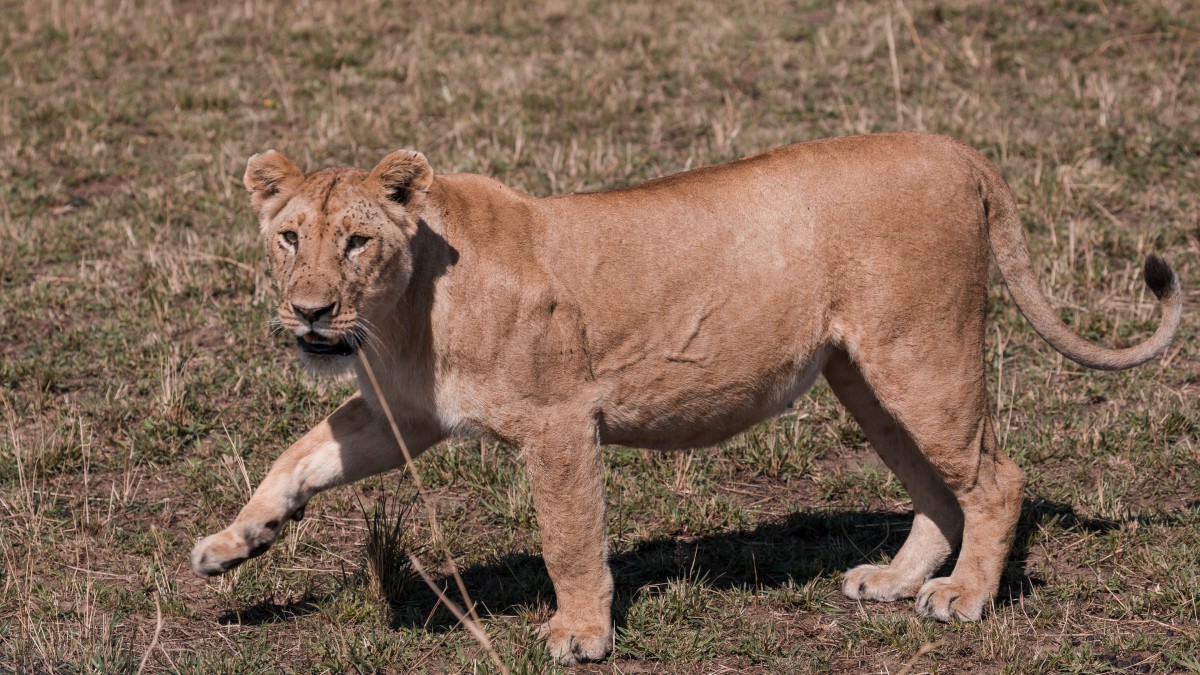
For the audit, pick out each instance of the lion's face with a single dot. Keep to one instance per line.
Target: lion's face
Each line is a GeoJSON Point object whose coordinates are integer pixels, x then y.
{"type": "Point", "coordinates": [337, 241]}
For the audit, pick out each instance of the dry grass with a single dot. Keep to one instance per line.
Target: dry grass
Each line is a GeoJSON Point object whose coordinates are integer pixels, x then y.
{"type": "Point", "coordinates": [142, 389]}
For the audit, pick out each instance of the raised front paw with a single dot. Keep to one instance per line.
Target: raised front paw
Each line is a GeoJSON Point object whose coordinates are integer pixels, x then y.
{"type": "Point", "coordinates": [231, 547]}
{"type": "Point", "coordinates": [945, 599]}
{"type": "Point", "coordinates": [570, 643]}
{"type": "Point", "coordinates": [882, 583]}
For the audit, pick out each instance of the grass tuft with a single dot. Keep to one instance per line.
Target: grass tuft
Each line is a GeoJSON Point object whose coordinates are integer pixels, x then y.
{"type": "Point", "coordinates": [389, 541]}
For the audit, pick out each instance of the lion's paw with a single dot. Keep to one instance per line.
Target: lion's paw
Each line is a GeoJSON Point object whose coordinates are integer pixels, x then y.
{"type": "Point", "coordinates": [571, 645]}
{"type": "Point", "coordinates": [945, 599]}
{"type": "Point", "coordinates": [229, 548]}
{"type": "Point", "coordinates": [881, 583]}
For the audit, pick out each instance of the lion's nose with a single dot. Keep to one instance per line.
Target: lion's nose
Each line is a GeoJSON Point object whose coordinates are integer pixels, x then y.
{"type": "Point", "coordinates": [313, 314]}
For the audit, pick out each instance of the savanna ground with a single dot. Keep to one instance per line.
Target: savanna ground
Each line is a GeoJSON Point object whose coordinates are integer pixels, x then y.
{"type": "Point", "coordinates": [142, 391]}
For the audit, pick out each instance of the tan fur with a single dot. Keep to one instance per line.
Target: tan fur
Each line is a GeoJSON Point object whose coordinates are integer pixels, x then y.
{"type": "Point", "coordinates": [672, 314]}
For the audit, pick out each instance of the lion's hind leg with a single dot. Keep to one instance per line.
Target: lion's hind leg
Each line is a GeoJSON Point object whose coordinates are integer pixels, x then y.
{"type": "Point", "coordinates": [935, 393]}
{"type": "Point", "coordinates": [937, 518]}
{"type": "Point", "coordinates": [990, 496]}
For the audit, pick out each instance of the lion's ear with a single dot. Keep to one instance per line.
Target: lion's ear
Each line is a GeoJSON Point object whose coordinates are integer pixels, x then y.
{"type": "Point", "coordinates": [406, 177]}
{"type": "Point", "coordinates": [267, 175]}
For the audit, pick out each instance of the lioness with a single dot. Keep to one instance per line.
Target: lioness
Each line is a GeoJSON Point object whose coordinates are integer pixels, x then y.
{"type": "Point", "coordinates": [672, 314]}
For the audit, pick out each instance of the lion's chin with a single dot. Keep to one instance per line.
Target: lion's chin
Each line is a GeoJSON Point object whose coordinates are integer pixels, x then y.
{"type": "Point", "coordinates": [334, 366]}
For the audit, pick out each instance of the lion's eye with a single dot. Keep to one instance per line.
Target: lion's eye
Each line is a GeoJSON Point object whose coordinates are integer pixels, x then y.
{"type": "Point", "coordinates": [356, 242]}
{"type": "Point", "coordinates": [291, 239]}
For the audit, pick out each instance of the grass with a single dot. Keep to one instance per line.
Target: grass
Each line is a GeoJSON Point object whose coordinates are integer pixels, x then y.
{"type": "Point", "coordinates": [142, 391]}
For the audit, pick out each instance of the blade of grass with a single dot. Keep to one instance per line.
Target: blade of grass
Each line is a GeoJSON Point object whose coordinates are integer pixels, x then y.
{"type": "Point", "coordinates": [472, 623]}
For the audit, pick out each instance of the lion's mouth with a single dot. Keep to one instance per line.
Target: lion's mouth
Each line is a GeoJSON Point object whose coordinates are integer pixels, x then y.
{"type": "Point", "coordinates": [316, 345]}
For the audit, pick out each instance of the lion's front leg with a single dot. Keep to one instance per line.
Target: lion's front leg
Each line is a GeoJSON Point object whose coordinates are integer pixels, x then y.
{"type": "Point", "coordinates": [568, 494]}
{"type": "Point", "coordinates": [352, 443]}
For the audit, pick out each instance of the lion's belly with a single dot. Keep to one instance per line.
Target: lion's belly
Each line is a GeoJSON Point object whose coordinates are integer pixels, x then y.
{"type": "Point", "coordinates": [681, 405]}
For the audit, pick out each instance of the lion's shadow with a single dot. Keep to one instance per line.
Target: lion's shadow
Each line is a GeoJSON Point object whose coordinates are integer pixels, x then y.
{"type": "Point", "coordinates": [794, 550]}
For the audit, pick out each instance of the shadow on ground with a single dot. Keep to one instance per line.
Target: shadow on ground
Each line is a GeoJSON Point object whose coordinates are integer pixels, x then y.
{"type": "Point", "coordinates": [267, 612]}
{"type": "Point", "coordinates": [800, 547]}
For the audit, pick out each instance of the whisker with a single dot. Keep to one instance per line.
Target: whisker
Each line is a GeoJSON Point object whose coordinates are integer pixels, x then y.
{"type": "Point", "coordinates": [274, 326]}
{"type": "Point", "coordinates": [370, 333]}
{"type": "Point", "coordinates": [367, 339]}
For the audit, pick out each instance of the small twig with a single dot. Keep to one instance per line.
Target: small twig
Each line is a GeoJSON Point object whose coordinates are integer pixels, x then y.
{"type": "Point", "coordinates": [430, 510]}
{"type": "Point", "coordinates": [222, 259]}
{"type": "Point", "coordinates": [471, 622]}
{"type": "Point", "coordinates": [110, 575]}
{"type": "Point", "coordinates": [891, 43]}
{"type": "Point", "coordinates": [459, 614]}
{"type": "Point", "coordinates": [157, 630]}
{"type": "Point", "coordinates": [1176, 629]}
{"type": "Point", "coordinates": [925, 649]}
{"type": "Point", "coordinates": [726, 488]}
{"type": "Point", "coordinates": [912, 30]}
{"type": "Point", "coordinates": [430, 651]}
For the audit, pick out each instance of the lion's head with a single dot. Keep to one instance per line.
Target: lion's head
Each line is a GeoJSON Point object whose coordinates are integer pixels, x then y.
{"type": "Point", "coordinates": [337, 242]}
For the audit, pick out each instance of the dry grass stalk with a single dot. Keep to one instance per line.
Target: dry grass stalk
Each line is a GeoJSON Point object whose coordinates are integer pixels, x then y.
{"type": "Point", "coordinates": [472, 622]}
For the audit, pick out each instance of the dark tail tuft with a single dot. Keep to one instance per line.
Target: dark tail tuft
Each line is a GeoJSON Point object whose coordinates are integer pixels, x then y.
{"type": "Point", "coordinates": [1159, 276]}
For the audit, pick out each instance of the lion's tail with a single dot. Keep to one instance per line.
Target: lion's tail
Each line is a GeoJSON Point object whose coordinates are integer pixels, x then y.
{"type": "Point", "coordinates": [1012, 256]}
